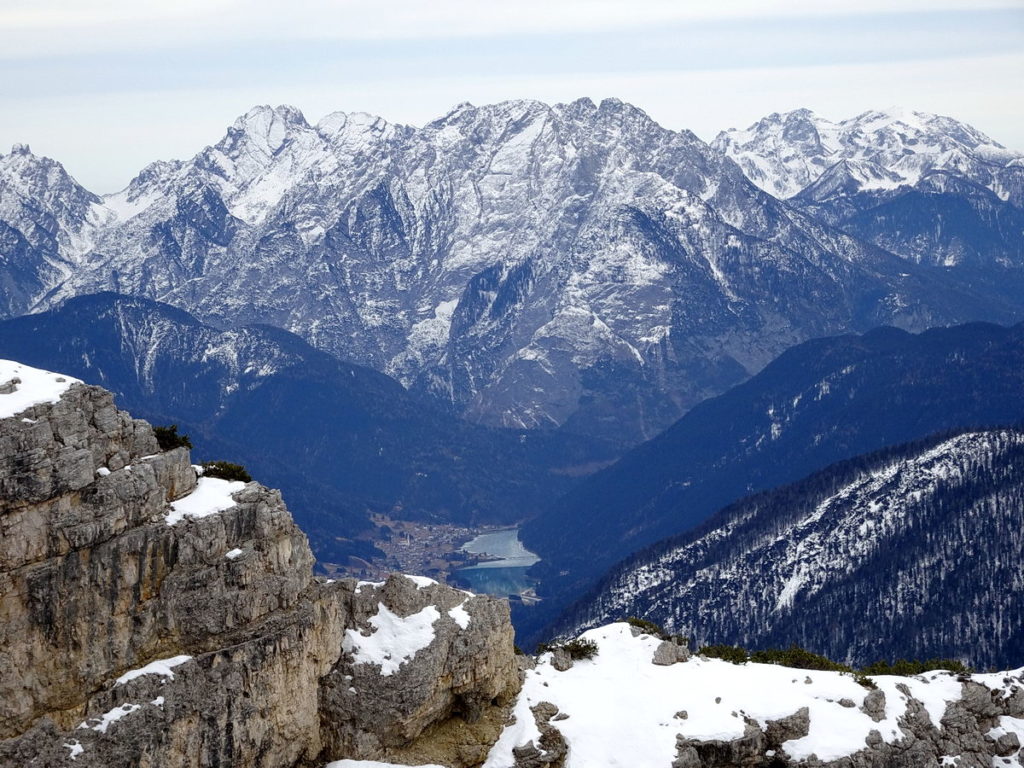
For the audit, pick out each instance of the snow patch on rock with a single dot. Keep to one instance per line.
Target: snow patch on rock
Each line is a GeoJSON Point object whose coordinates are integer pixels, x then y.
{"type": "Point", "coordinates": [394, 639]}
{"type": "Point", "coordinates": [622, 709]}
{"type": "Point", "coordinates": [163, 667]}
{"type": "Point", "coordinates": [211, 495]}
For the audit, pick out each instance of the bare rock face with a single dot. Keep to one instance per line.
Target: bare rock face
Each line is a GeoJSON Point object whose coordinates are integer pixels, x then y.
{"type": "Point", "coordinates": [371, 709]}
{"type": "Point", "coordinates": [128, 639]}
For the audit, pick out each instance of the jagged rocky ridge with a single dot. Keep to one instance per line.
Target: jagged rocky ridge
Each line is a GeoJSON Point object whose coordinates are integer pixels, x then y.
{"type": "Point", "coordinates": [912, 552]}
{"type": "Point", "coordinates": [337, 439]}
{"type": "Point", "coordinates": [529, 265]}
{"type": "Point", "coordinates": [148, 618]}
{"type": "Point", "coordinates": [821, 402]}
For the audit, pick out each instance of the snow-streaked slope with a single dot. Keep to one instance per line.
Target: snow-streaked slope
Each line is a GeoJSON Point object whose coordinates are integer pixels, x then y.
{"type": "Point", "coordinates": [913, 552]}
{"type": "Point", "coordinates": [532, 265]}
{"type": "Point", "coordinates": [622, 710]}
{"type": "Point", "coordinates": [786, 153]}
{"type": "Point", "coordinates": [47, 220]}
{"type": "Point", "coordinates": [821, 402]}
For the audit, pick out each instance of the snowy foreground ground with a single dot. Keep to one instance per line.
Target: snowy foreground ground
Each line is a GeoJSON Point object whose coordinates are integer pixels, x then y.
{"type": "Point", "coordinates": [625, 711]}
{"type": "Point", "coordinates": [22, 386]}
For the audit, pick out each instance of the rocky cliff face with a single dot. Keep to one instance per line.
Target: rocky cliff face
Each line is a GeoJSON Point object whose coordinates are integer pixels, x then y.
{"type": "Point", "coordinates": [150, 618]}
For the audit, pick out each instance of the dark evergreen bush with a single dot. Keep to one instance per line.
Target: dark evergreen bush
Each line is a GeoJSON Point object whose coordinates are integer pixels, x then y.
{"type": "Point", "coordinates": [798, 658]}
{"type": "Point", "coordinates": [169, 439]}
{"type": "Point", "coordinates": [646, 626]}
{"type": "Point", "coordinates": [581, 648]}
{"type": "Point", "coordinates": [908, 667]}
{"type": "Point", "coordinates": [734, 654]}
{"type": "Point", "coordinates": [225, 470]}
{"type": "Point", "coordinates": [861, 679]}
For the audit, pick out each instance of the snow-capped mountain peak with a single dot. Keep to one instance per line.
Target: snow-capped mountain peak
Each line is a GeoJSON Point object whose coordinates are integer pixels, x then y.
{"type": "Point", "coordinates": [338, 124]}
{"type": "Point", "coordinates": [53, 214]}
{"type": "Point", "coordinates": [265, 129]}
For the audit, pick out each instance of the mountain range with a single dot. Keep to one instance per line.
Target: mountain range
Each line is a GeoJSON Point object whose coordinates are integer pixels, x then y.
{"type": "Point", "coordinates": [791, 153]}
{"type": "Point", "coordinates": [572, 266]}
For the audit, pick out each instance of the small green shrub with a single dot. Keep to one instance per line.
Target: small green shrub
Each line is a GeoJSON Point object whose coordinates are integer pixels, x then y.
{"type": "Point", "coordinates": [734, 654]}
{"type": "Point", "coordinates": [646, 626]}
{"type": "Point", "coordinates": [798, 658]}
{"type": "Point", "coordinates": [581, 648]}
{"type": "Point", "coordinates": [225, 470]}
{"type": "Point", "coordinates": [517, 650]}
{"type": "Point", "coordinates": [169, 439]}
{"type": "Point", "coordinates": [861, 679]}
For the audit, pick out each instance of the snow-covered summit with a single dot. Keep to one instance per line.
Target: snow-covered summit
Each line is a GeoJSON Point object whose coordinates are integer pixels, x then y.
{"type": "Point", "coordinates": [56, 216]}
{"type": "Point", "coordinates": [785, 153]}
{"type": "Point", "coordinates": [269, 122]}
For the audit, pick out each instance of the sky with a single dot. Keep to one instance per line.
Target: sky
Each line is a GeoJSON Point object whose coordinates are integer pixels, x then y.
{"type": "Point", "coordinates": [108, 86]}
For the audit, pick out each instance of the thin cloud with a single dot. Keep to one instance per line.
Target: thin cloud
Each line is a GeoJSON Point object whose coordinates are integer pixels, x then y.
{"type": "Point", "coordinates": [60, 27]}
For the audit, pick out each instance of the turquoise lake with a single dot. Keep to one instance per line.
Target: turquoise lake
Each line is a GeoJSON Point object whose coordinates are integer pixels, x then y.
{"type": "Point", "coordinates": [503, 577]}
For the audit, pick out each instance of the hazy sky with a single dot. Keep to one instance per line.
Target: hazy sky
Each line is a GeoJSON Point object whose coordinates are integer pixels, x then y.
{"type": "Point", "coordinates": [107, 86]}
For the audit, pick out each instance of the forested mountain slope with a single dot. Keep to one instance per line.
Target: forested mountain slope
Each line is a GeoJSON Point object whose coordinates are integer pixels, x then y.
{"type": "Point", "coordinates": [820, 402]}
{"type": "Point", "coordinates": [910, 552]}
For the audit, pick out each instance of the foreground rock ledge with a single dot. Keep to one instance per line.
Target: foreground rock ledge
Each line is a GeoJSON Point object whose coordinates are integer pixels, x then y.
{"type": "Point", "coordinates": [129, 641]}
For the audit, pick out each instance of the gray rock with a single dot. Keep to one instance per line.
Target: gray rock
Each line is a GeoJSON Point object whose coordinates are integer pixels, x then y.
{"type": "Point", "coordinates": [95, 583]}
{"type": "Point", "coordinates": [874, 705]}
{"type": "Point", "coordinates": [794, 726]}
{"type": "Point", "coordinates": [560, 659]}
{"type": "Point", "coordinates": [669, 652]}
{"type": "Point", "coordinates": [552, 748]}
{"type": "Point", "coordinates": [747, 750]}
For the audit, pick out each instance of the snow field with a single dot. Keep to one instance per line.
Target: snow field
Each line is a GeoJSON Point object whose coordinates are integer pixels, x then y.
{"type": "Point", "coordinates": [622, 708]}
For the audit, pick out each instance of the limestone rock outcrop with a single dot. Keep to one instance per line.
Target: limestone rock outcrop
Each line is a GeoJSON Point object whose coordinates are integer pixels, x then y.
{"type": "Point", "coordinates": [151, 617]}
